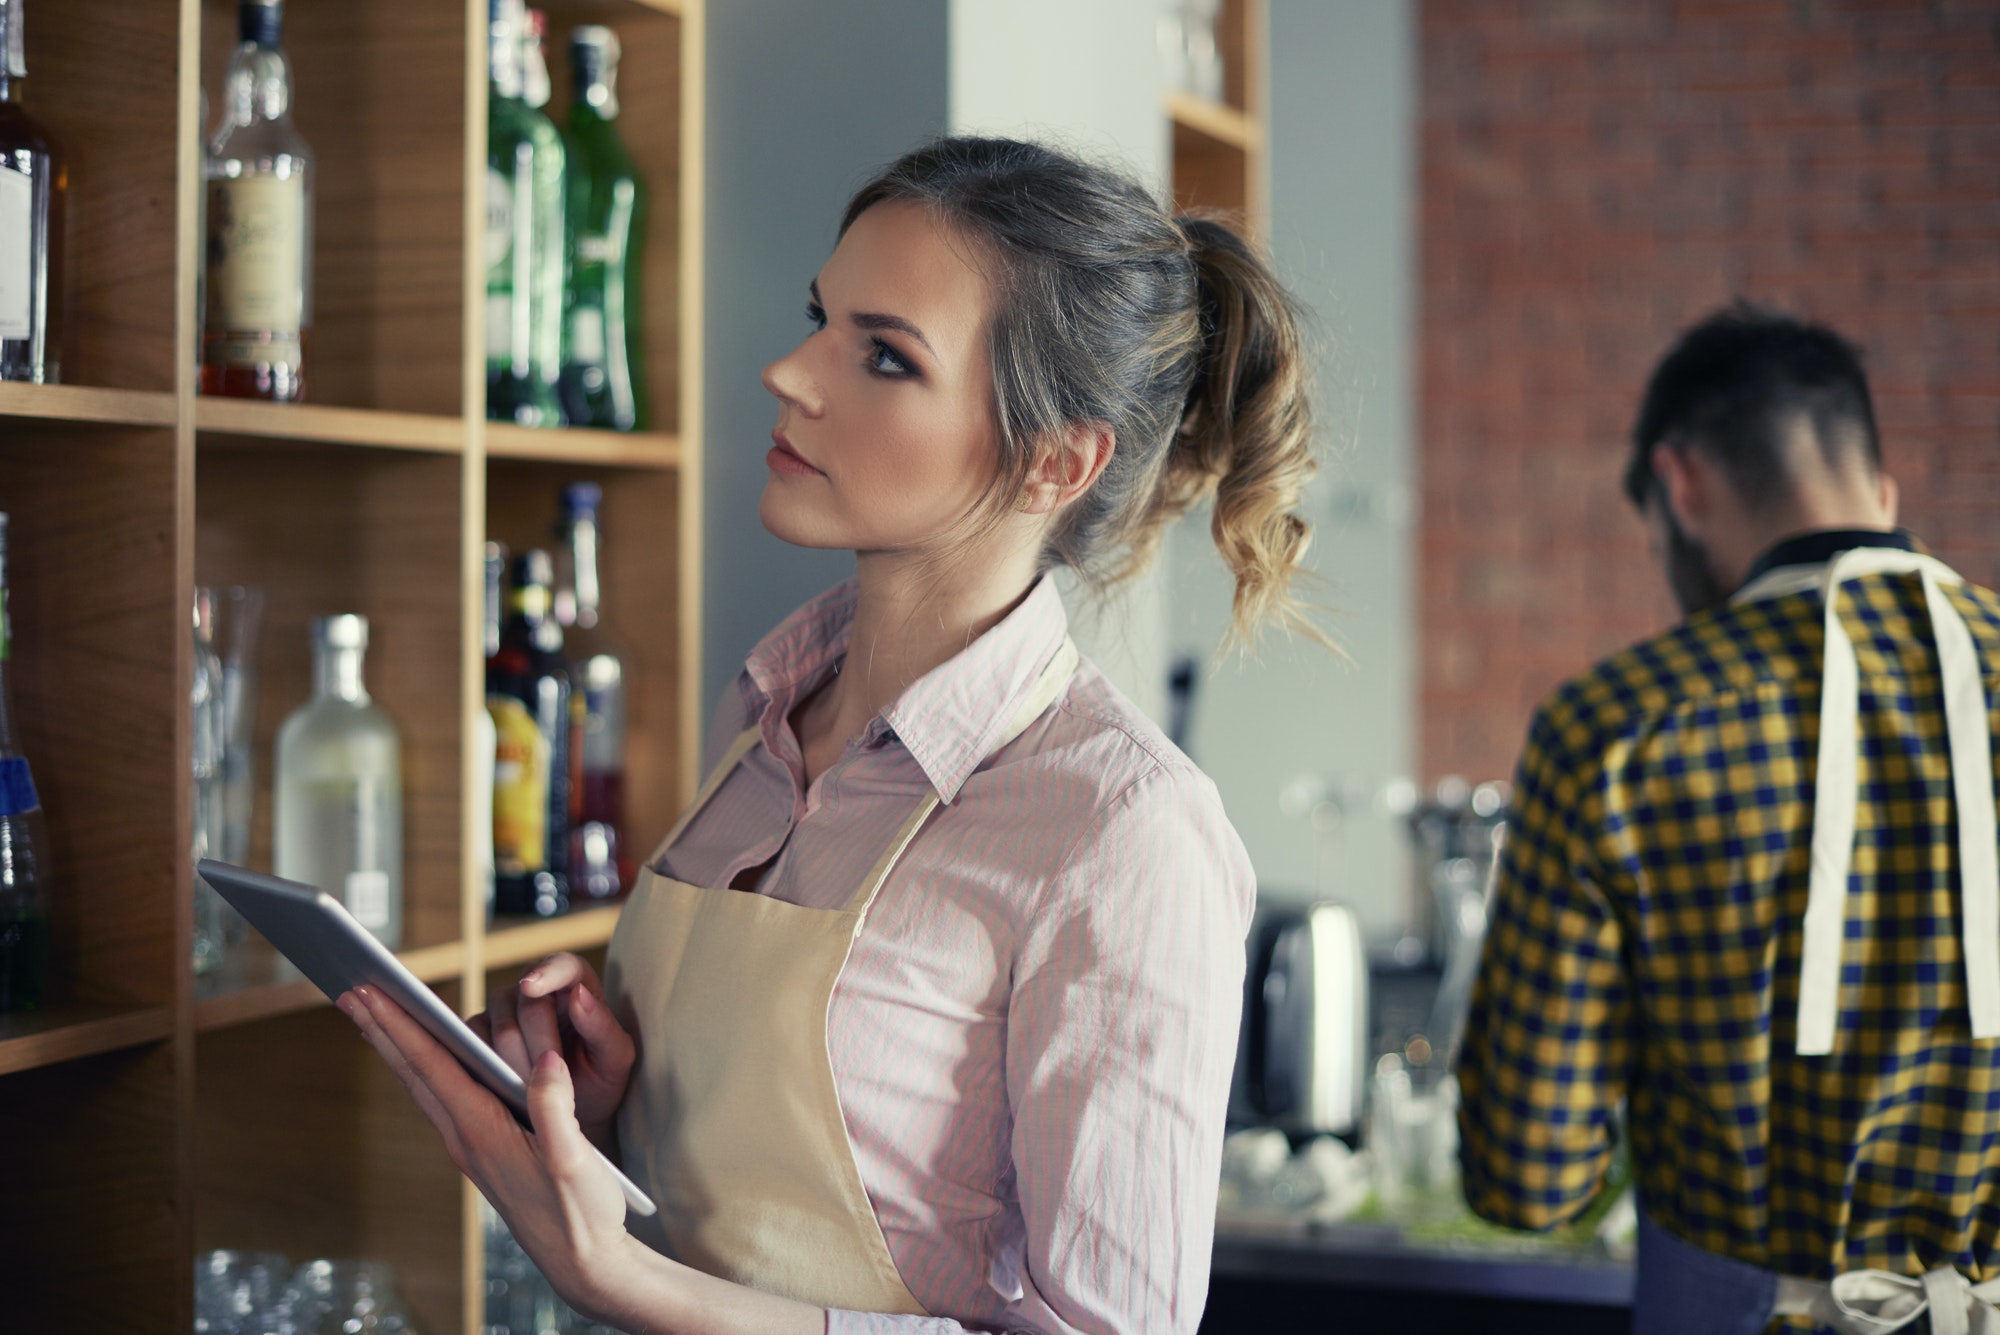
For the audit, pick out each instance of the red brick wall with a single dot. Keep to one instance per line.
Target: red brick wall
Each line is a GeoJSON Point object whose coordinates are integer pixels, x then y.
{"type": "Point", "coordinates": [1598, 174]}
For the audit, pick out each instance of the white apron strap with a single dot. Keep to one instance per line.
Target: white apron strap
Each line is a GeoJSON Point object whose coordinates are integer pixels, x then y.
{"type": "Point", "coordinates": [1052, 683]}
{"type": "Point", "coordinates": [1875, 1302]}
{"type": "Point", "coordinates": [1836, 787]}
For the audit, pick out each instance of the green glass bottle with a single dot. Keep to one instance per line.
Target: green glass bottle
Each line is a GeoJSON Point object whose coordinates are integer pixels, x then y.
{"type": "Point", "coordinates": [603, 374]}
{"type": "Point", "coordinates": [524, 237]}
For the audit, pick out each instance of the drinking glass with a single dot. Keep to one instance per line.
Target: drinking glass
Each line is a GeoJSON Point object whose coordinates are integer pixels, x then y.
{"type": "Point", "coordinates": [234, 1291]}
{"type": "Point", "coordinates": [240, 614]}
{"type": "Point", "coordinates": [205, 752]}
{"type": "Point", "coordinates": [340, 1298]}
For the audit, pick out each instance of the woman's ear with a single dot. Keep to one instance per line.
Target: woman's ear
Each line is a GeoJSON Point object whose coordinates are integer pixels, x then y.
{"type": "Point", "coordinates": [1067, 466]}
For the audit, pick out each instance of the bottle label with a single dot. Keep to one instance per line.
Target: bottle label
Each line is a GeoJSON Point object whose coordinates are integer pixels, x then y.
{"type": "Point", "coordinates": [586, 336]}
{"type": "Point", "coordinates": [500, 327]}
{"type": "Point", "coordinates": [17, 787]}
{"type": "Point", "coordinates": [520, 788]}
{"type": "Point", "coordinates": [368, 898]}
{"type": "Point", "coordinates": [17, 195]}
{"type": "Point", "coordinates": [256, 256]}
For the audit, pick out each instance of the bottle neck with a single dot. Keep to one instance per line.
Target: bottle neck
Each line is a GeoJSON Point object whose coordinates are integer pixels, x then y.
{"type": "Point", "coordinates": [595, 73]}
{"type": "Point", "coordinates": [258, 86]}
{"type": "Point", "coordinates": [583, 556]}
{"type": "Point", "coordinates": [13, 58]}
{"type": "Point", "coordinates": [503, 60]}
{"type": "Point", "coordinates": [337, 673]}
{"type": "Point", "coordinates": [8, 745]}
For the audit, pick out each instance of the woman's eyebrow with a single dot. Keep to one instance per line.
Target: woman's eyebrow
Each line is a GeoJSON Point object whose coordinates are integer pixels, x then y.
{"type": "Point", "coordinates": [876, 320]}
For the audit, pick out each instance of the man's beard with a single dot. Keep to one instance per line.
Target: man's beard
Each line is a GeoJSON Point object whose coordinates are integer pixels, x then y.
{"type": "Point", "coordinates": [1689, 572]}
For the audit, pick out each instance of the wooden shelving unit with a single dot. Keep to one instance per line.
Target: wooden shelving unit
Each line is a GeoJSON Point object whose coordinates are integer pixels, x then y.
{"type": "Point", "coordinates": [157, 1115]}
{"type": "Point", "coordinates": [1221, 154]}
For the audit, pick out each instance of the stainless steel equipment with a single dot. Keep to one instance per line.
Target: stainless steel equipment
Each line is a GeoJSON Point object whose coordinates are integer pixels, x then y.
{"type": "Point", "coordinates": [1303, 1060]}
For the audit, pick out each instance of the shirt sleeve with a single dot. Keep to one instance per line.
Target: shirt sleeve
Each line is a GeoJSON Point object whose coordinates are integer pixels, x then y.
{"type": "Point", "coordinates": [1121, 1041]}
{"type": "Point", "coordinates": [1548, 1042]}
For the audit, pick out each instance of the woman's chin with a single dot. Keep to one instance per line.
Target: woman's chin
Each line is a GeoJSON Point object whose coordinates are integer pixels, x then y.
{"type": "Point", "coordinates": [784, 519]}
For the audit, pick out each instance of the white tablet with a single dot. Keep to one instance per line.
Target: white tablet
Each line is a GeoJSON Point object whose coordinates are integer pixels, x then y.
{"type": "Point", "coordinates": [315, 931]}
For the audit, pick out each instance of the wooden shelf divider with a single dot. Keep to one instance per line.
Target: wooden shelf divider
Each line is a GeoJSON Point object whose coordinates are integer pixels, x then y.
{"type": "Point", "coordinates": [81, 403]}
{"type": "Point", "coordinates": [573, 445]}
{"type": "Point", "coordinates": [1224, 124]}
{"type": "Point", "coordinates": [250, 419]}
{"type": "Point", "coordinates": [65, 1032]}
{"type": "Point", "coordinates": [513, 941]}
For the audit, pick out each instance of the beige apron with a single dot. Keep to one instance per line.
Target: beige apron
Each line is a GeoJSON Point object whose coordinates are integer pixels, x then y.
{"type": "Point", "coordinates": [732, 1122]}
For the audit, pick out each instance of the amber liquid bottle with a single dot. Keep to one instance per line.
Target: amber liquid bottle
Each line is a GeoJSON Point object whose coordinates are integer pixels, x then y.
{"type": "Point", "coordinates": [33, 182]}
{"type": "Point", "coordinates": [260, 208]}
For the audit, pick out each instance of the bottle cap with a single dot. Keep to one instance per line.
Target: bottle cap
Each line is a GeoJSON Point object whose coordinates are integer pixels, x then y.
{"type": "Point", "coordinates": [582, 496]}
{"type": "Point", "coordinates": [260, 22]}
{"type": "Point", "coordinates": [346, 631]}
{"type": "Point", "coordinates": [17, 787]}
{"type": "Point", "coordinates": [593, 58]}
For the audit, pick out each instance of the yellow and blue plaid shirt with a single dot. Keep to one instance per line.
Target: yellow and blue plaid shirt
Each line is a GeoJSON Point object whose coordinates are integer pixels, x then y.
{"type": "Point", "coordinates": [1644, 945]}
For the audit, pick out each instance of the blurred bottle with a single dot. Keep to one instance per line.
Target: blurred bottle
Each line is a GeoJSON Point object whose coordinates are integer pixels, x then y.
{"type": "Point", "coordinates": [603, 377]}
{"type": "Point", "coordinates": [260, 228]}
{"type": "Point", "coordinates": [528, 693]}
{"type": "Point", "coordinates": [599, 866]}
{"type": "Point", "coordinates": [34, 178]}
{"type": "Point", "coordinates": [24, 843]}
{"type": "Point", "coordinates": [535, 86]}
{"type": "Point", "coordinates": [485, 738]}
{"type": "Point", "coordinates": [340, 788]}
{"type": "Point", "coordinates": [524, 236]}
{"type": "Point", "coordinates": [206, 749]}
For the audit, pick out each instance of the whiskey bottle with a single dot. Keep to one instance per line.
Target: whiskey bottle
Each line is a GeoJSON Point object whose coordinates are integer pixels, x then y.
{"type": "Point", "coordinates": [598, 861]}
{"type": "Point", "coordinates": [339, 781]}
{"type": "Point", "coordinates": [260, 207]}
{"type": "Point", "coordinates": [524, 237]}
{"type": "Point", "coordinates": [24, 842]}
{"type": "Point", "coordinates": [33, 182]}
{"type": "Point", "coordinates": [527, 692]}
{"type": "Point", "coordinates": [603, 379]}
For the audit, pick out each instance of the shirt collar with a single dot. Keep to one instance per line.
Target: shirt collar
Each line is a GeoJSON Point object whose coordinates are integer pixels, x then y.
{"type": "Point", "coordinates": [1822, 545]}
{"type": "Point", "coordinates": [948, 718]}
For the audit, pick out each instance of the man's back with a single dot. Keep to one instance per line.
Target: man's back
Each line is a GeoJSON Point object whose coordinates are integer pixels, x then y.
{"type": "Point", "coordinates": [1645, 937]}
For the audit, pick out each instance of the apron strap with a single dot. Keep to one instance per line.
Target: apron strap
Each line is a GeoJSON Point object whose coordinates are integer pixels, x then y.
{"type": "Point", "coordinates": [1052, 683]}
{"type": "Point", "coordinates": [1835, 789]}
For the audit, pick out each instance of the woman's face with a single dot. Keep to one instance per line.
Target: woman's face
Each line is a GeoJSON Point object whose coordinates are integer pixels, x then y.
{"type": "Point", "coordinates": [885, 432]}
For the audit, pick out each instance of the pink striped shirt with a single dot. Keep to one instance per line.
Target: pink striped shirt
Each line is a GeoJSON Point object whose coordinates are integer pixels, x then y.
{"type": "Point", "coordinates": [1034, 1034]}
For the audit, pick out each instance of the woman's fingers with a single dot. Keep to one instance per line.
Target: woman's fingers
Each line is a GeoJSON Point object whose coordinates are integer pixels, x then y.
{"type": "Point", "coordinates": [557, 972]}
{"type": "Point", "coordinates": [541, 1031]}
{"type": "Point", "coordinates": [552, 1109]}
{"type": "Point", "coordinates": [504, 1020]}
{"type": "Point", "coordinates": [610, 1047]}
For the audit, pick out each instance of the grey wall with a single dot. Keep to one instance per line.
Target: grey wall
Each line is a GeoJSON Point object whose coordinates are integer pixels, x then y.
{"type": "Point", "coordinates": [1302, 748]}
{"type": "Point", "coordinates": [804, 99]}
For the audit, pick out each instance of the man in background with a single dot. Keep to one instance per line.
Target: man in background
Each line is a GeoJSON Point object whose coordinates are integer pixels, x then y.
{"type": "Point", "coordinates": [1750, 881]}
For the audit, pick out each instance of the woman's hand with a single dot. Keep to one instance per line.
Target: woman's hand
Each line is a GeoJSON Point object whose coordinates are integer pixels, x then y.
{"type": "Point", "coordinates": [558, 1006]}
{"type": "Point", "coordinates": [564, 1208]}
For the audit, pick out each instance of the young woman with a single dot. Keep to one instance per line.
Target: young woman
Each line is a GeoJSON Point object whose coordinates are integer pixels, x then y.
{"type": "Point", "coordinates": [923, 1018]}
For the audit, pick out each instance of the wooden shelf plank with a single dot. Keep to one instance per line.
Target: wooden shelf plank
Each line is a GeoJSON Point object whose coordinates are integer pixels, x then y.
{"type": "Point", "coordinates": [1213, 120]}
{"type": "Point", "coordinates": [64, 1032]}
{"type": "Point", "coordinates": [367, 427]}
{"type": "Point", "coordinates": [566, 445]}
{"type": "Point", "coordinates": [518, 940]}
{"type": "Point", "coordinates": [81, 403]}
{"type": "Point", "coordinates": [253, 983]}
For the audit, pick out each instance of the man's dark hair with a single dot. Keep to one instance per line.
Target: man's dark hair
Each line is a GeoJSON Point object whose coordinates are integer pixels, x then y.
{"type": "Point", "coordinates": [1733, 384]}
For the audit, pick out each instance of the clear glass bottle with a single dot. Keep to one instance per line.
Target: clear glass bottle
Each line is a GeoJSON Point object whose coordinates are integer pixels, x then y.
{"type": "Point", "coordinates": [603, 377]}
{"type": "Point", "coordinates": [535, 85]}
{"type": "Point", "coordinates": [524, 237]}
{"type": "Point", "coordinates": [339, 786]}
{"type": "Point", "coordinates": [33, 184]}
{"type": "Point", "coordinates": [486, 738]}
{"type": "Point", "coordinates": [528, 693]}
{"type": "Point", "coordinates": [207, 745]}
{"type": "Point", "coordinates": [260, 224]}
{"type": "Point", "coordinates": [24, 844]}
{"type": "Point", "coordinates": [599, 865]}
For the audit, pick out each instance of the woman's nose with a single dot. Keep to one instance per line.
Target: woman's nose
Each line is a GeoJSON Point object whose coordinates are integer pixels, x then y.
{"type": "Point", "coordinates": [792, 382]}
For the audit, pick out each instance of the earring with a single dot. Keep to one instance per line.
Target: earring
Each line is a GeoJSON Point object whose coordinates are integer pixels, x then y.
{"type": "Point", "coordinates": [1024, 502]}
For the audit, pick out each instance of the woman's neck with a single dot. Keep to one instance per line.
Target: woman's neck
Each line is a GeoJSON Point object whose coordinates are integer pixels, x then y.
{"type": "Point", "coordinates": [908, 618]}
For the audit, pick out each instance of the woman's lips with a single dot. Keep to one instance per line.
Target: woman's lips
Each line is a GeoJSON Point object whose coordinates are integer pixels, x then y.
{"type": "Point", "coordinates": [784, 459]}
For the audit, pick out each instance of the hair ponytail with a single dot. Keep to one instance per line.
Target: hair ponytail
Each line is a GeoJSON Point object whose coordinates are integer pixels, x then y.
{"type": "Point", "coordinates": [1171, 331]}
{"type": "Point", "coordinates": [1245, 433]}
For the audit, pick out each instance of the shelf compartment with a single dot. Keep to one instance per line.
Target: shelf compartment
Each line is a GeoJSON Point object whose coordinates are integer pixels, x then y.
{"type": "Point", "coordinates": [379, 94]}
{"type": "Point", "coordinates": [323, 530]}
{"type": "Point", "coordinates": [77, 403]}
{"type": "Point", "coordinates": [512, 941]}
{"type": "Point", "coordinates": [232, 421]}
{"type": "Point", "coordinates": [254, 983]}
{"type": "Point", "coordinates": [65, 1032]}
{"type": "Point", "coordinates": [583, 447]}
{"type": "Point", "coordinates": [1224, 125]}
{"type": "Point", "coordinates": [307, 1144]}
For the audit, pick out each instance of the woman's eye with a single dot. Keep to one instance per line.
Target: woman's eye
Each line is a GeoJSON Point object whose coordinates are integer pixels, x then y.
{"type": "Point", "coordinates": [816, 313]}
{"type": "Point", "coordinates": [885, 360]}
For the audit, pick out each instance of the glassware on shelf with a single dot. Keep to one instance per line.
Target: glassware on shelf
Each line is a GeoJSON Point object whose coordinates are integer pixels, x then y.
{"type": "Point", "coordinates": [603, 377]}
{"type": "Point", "coordinates": [240, 612]}
{"type": "Point", "coordinates": [260, 224]}
{"type": "Point", "coordinates": [206, 745]}
{"type": "Point", "coordinates": [519, 1299]}
{"type": "Point", "coordinates": [339, 818]}
{"type": "Point", "coordinates": [259, 1293]}
{"type": "Point", "coordinates": [485, 738]}
{"type": "Point", "coordinates": [1190, 56]}
{"type": "Point", "coordinates": [524, 244]}
{"type": "Point", "coordinates": [528, 695]}
{"type": "Point", "coordinates": [235, 1291]}
{"type": "Point", "coordinates": [33, 182]}
{"type": "Point", "coordinates": [599, 866]}
{"type": "Point", "coordinates": [535, 85]}
{"type": "Point", "coordinates": [24, 843]}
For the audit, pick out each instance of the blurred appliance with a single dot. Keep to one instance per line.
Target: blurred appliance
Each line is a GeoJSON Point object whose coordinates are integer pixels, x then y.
{"type": "Point", "coordinates": [1303, 1058]}
{"type": "Point", "coordinates": [1458, 836]}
